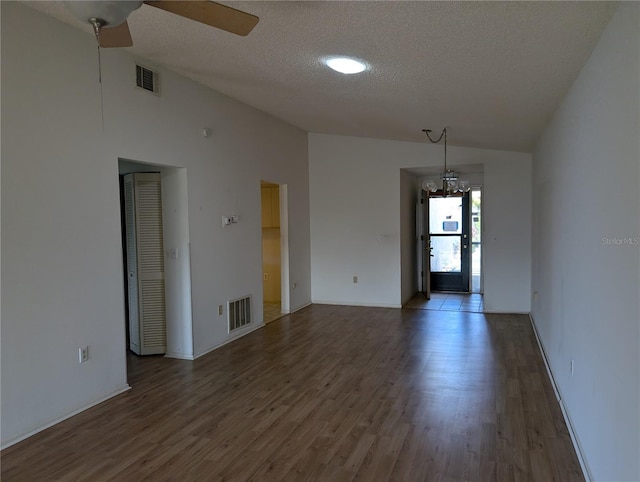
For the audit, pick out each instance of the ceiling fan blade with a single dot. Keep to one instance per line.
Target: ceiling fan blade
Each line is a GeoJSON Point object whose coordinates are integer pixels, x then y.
{"type": "Point", "coordinates": [118, 36]}
{"type": "Point", "coordinates": [210, 13]}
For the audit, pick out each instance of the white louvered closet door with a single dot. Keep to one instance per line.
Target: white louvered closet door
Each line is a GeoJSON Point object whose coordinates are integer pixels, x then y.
{"type": "Point", "coordinates": [145, 264]}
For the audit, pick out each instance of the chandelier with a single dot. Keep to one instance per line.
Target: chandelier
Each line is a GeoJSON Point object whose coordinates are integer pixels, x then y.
{"type": "Point", "coordinates": [450, 181]}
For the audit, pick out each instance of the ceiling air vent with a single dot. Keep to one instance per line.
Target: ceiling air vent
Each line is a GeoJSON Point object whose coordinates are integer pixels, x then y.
{"type": "Point", "coordinates": [146, 79]}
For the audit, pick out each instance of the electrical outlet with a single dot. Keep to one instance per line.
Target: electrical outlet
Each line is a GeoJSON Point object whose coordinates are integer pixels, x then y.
{"type": "Point", "coordinates": [265, 276]}
{"type": "Point", "coordinates": [355, 279]}
{"type": "Point", "coordinates": [83, 354]}
{"type": "Point", "coordinates": [220, 310]}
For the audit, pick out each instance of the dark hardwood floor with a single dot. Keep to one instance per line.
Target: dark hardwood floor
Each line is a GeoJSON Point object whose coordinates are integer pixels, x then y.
{"type": "Point", "coordinates": [329, 393]}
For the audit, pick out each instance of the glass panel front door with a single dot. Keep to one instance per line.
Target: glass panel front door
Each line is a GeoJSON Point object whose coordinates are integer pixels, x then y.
{"type": "Point", "coordinates": [446, 254]}
{"type": "Point", "coordinates": [448, 232]}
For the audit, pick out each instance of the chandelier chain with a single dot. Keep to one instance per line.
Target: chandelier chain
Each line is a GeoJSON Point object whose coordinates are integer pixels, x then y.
{"type": "Point", "coordinates": [442, 134]}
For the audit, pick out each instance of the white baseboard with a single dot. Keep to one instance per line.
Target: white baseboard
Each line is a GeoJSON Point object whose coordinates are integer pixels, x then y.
{"type": "Point", "coordinates": [215, 347]}
{"type": "Point", "coordinates": [245, 331]}
{"type": "Point", "coordinates": [239, 335]}
{"type": "Point", "coordinates": [51, 423]}
{"type": "Point", "coordinates": [299, 308]}
{"type": "Point", "coordinates": [179, 356]}
{"type": "Point", "coordinates": [355, 303]}
{"type": "Point", "coordinates": [502, 312]}
{"type": "Point", "coordinates": [565, 414]}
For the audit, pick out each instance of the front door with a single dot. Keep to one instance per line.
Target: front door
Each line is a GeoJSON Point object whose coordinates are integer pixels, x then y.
{"type": "Point", "coordinates": [449, 239]}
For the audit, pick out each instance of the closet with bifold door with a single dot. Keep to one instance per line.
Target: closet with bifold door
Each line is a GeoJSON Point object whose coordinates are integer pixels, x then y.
{"type": "Point", "coordinates": [145, 263]}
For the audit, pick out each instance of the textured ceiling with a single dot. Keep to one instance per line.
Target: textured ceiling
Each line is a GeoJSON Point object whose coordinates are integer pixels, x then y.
{"type": "Point", "coordinates": [493, 71]}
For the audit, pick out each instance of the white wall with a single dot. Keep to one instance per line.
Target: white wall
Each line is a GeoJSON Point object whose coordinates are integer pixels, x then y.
{"type": "Point", "coordinates": [506, 237]}
{"type": "Point", "coordinates": [586, 185]}
{"type": "Point", "coordinates": [356, 212]}
{"type": "Point", "coordinates": [62, 284]}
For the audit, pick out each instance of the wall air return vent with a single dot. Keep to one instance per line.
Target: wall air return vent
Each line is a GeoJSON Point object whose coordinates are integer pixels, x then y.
{"type": "Point", "coordinates": [239, 313]}
{"type": "Point", "coordinates": [147, 79]}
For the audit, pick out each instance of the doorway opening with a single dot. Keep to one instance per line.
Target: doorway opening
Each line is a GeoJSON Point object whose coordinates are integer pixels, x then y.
{"type": "Point", "coordinates": [450, 279]}
{"type": "Point", "coordinates": [275, 259]}
{"type": "Point", "coordinates": [175, 257]}
{"type": "Point", "coordinates": [423, 249]}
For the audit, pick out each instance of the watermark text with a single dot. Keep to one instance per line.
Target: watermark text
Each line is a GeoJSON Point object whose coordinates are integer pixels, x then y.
{"type": "Point", "coordinates": [621, 241]}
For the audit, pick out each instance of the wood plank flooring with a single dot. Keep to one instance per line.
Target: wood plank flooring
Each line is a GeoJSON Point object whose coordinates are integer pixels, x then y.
{"type": "Point", "coordinates": [329, 393]}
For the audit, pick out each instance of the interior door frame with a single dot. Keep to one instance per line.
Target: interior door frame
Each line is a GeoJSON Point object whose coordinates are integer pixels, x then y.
{"type": "Point", "coordinates": [425, 246]}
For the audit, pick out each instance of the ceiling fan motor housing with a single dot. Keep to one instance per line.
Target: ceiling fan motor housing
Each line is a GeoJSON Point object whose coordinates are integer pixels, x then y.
{"type": "Point", "coordinates": [112, 13]}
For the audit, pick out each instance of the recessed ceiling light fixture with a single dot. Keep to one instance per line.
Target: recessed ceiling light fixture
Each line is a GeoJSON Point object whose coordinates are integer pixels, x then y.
{"type": "Point", "coordinates": [345, 65]}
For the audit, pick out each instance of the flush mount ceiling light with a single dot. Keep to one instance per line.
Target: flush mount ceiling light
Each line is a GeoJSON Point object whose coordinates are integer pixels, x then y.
{"type": "Point", "coordinates": [345, 65]}
{"type": "Point", "coordinates": [449, 179]}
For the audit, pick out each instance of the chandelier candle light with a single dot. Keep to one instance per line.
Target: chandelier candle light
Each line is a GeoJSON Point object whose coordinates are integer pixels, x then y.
{"type": "Point", "coordinates": [449, 178]}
